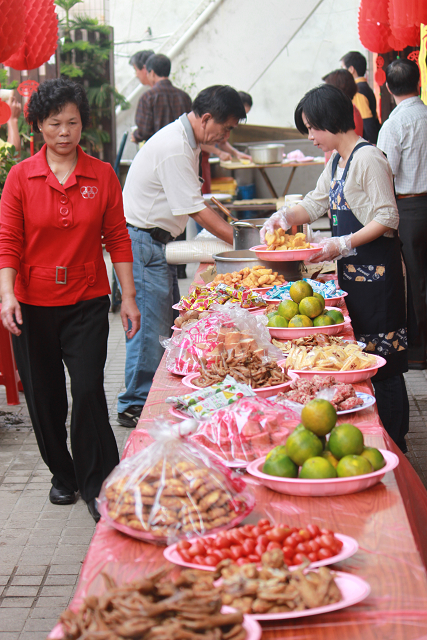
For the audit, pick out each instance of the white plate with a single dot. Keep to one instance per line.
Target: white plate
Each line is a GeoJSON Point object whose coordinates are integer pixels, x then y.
{"type": "Point", "coordinates": [350, 546]}
{"type": "Point", "coordinates": [368, 401]}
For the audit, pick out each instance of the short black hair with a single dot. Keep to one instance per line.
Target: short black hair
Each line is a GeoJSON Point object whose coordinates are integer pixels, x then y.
{"type": "Point", "coordinates": [342, 79]}
{"type": "Point", "coordinates": [139, 58]}
{"type": "Point", "coordinates": [325, 108]}
{"type": "Point", "coordinates": [246, 98]}
{"type": "Point", "coordinates": [160, 64]}
{"type": "Point", "coordinates": [402, 77]}
{"type": "Point", "coordinates": [52, 96]}
{"type": "Point", "coordinates": [221, 101]}
{"type": "Point", "coordinates": [356, 60]}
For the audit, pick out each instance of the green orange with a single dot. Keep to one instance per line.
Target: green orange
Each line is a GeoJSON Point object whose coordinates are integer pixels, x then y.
{"type": "Point", "coordinates": [352, 465]}
{"type": "Point", "coordinates": [310, 306]}
{"type": "Point", "coordinates": [288, 309]}
{"type": "Point", "coordinates": [322, 321]}
{"type": "Point", "coordinates": [303, 444]}
{"type": "Point", "coordinates": [320, 298]}
{"type": "Point", "coordinates": [299, 290]}
{"type": "Point", "coordinates": [319, 416]}
{"type": "Point", "coordinates": [316, 468]}
{"type": "Point", "coordinates": [278, 463]}
{"type": "Point", "coordinates": [345, 439]}
{"type": "Point", "coordinates": [336, 315]}
{"type": "Point", "coordinates": [300, 321]}
{"type": "Point", "coordinates": [374, 456]}
{"type": "Point", "coordinates": [328, 456]}
{"type": "Point", "coordinates": [277, 321]}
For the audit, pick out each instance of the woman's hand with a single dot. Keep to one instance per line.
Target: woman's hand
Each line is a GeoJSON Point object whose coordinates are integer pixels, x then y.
{"type": "Point", "coordinates": [9, 308]}
{"type": "Point", "coordinates": [130, 312]}
{"type": "Point", "coordinates": [242, 156]}
{"type": "Point", "coordinates": [279, 220]}
{"type": "Point", "coordinates": [334, 249]}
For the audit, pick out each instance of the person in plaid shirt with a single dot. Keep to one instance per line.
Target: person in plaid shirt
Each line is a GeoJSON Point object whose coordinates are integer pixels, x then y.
{"type": "Point", "coordinates": [163, 103]}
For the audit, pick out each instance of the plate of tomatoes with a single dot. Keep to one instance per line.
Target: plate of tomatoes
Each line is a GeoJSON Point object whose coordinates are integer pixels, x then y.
{"type": "Point", "coordinates": [247, 543]}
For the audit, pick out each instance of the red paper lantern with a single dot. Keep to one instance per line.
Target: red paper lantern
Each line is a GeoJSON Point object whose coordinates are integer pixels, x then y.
{"type": "Point", "coordinates": [380, 77]}
{"type": "Point", "coordinates": [405, 14]}
{"type": "Point", "coordinates": [40, 37]}
{"type": "Point", "coordinates": [11, 31]}
{"type": "Point", "coordinates": [374, 34]}
{"type": "Point", "coordinates": [5, 112]}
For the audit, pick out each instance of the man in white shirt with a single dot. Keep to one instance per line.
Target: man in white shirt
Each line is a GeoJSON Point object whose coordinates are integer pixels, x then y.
{"type": "Point", "coordinates": [162, 190]}
{"type": "Point", "coordinates": [403, 138]}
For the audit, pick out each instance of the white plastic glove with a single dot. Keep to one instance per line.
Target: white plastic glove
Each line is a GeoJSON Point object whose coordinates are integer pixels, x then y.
{"type": "Point", "coordinates": [334, 249]}
{"type": "Point", "coordinates": [282, 219]}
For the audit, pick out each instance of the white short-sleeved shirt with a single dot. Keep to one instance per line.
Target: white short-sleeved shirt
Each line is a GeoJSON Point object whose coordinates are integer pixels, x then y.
{"type": "Point", "coordinates": [162, 187]}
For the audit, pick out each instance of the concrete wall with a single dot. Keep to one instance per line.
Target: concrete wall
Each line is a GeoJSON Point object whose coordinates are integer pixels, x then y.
{"type": "Point", "coordinates": [275, 49]}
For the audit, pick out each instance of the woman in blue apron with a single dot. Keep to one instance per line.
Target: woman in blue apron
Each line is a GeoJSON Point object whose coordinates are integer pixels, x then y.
{"type": "Point", "coordinates": [357, 187]}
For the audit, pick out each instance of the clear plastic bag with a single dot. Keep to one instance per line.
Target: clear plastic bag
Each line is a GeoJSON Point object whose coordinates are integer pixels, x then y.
{"type": "Point", "coordinates": [229, 327]}
{"type": "Point", "coordinates": [172, 489]}
{"type": "Point", "coordinates": [244, 431]}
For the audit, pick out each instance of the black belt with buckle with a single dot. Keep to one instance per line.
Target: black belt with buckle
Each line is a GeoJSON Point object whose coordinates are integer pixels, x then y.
{"type": "Point", "coordinates": [160, 235]}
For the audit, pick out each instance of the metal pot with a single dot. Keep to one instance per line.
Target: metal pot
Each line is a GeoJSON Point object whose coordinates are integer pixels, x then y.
{"type": "Point", "coordinates": [245, 235]}
{"type": "Point", "coordinates": [229, 261]}
{"type": "Point", "coordinates": [271, 153]}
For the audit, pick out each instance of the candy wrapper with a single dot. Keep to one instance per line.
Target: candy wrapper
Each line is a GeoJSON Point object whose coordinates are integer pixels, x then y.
{"type": "Point", "coordinates": [326, 289]}
{"type": "Point", "coordinates": [227, 328]}
{"type": "Point", "coordinates": [202, 298]}
{"type": "Point", "coordinates": [203, 403]}
{"type": "Point", "coordinates": [244, 431]}
{"type": "Point", "coordinates": [172, 489]}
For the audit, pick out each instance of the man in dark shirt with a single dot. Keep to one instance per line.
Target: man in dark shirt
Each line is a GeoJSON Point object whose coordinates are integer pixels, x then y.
{"type": "Point", "coordinates": [163, 103]}
{"type": "Point", "coordinates": [355, 62]}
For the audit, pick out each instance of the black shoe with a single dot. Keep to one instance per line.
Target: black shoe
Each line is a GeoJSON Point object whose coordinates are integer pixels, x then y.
{"type": "Point", "coordinates": [62, 496]}
{"type": "Point", "coordinates": [92, 508]}
{"type": "Point", "coordinates": [417, 365]}
{"type": "Point", "coordinates": [130, 417]}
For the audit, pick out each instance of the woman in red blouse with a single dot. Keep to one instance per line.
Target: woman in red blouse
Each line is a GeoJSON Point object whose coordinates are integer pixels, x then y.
{"type": "Point", "coordinates": [58, 208]}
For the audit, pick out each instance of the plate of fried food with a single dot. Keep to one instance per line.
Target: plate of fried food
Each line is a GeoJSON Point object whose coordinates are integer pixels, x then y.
{"type": "Point", "coordinates": [258, 278]}
{"type": "Point", "coordinates": [347, 364]}
{"type": "Point", "coordinates": [281, 246]}
{"type": "Point", "coordinates": [314, 340]}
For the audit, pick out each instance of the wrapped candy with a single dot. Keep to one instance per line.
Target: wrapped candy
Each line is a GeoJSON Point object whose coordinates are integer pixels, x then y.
{"type": "Point", "coordinates": [327, 289]}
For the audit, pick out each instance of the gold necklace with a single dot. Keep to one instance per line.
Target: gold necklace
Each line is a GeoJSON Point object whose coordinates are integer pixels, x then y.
{"type": "Point", "coordinates": [61, 182]}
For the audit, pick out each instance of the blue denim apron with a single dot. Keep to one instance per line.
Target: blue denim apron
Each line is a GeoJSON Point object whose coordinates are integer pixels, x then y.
{"type": "Point", "coordinates": [373, 279]}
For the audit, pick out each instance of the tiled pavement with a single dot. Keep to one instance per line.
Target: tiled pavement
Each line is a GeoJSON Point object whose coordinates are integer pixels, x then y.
{"type": "Point", "coordinates": [42, 546]}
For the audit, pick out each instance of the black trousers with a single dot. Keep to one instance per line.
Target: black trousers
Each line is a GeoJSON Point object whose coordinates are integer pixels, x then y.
{"type": "Point", "coordinates": [77, 336]}
{"type": "Point", "coordinates": [393, 407]}
{"type": "Point", "coordinates": [413, 233]}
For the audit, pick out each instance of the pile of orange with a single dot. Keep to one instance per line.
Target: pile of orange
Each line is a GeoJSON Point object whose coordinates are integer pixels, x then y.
{"type": "Point", "coordinates": [305, 309]}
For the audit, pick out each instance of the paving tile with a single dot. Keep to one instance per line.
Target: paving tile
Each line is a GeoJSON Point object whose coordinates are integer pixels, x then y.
{"type": "Point", "coordinates": [60, 580]}
{"type": "Point", "coordinates": [39, 624]}
{"type": "Point", "coordinates": [52, 601]}
{"type": "Point", "coordinates": [58, 591]}
{"type": "Point", "coordinates": [72, 569]}
{"type": "Point", "coordinates": [12, 620]}
{"type": "Point", "coordinates": [22, 591]}
{"type": "Point", "coordinates": [9, 635]}
{"type": "Point", "coordinates": [15, 602]}
{"type": "Point", "coordinates": [47, 612]}
{"type": "Point", "coordinates": [27, 580]}
{"type": "Point", "coordinates": [32, 635]}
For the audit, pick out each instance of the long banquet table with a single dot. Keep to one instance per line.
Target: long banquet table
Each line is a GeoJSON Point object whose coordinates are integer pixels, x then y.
{"type": "Point", "coordinates": [389, 521]}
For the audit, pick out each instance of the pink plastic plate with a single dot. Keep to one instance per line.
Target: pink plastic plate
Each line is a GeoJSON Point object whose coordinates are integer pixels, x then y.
{"type": "Point", "coordinates": [346, 376]}
{"type": "Point", "coordinates": [349, 548]}
{"type": "Point", "coordinates": [327, 487]}
{"type": "Point", "coordinates": [283, 256]}
{"type": "Point", "coordinates": [264, 392]}
{"type": "Point", "coordinates": [353, 589]}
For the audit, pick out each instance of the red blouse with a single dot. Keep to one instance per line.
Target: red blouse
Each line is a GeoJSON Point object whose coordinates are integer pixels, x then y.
{"type": "Point", "coordinates": [53, 234]}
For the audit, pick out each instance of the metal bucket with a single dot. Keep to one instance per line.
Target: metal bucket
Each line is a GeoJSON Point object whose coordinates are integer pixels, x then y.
{"type": "Point", "coordinates": [229, 261]}
{"type": "Point", "coordinates": [244, 235]}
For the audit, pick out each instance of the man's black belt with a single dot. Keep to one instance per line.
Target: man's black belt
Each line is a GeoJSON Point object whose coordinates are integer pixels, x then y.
{"type": "Point", "coordinates": [156, 233]}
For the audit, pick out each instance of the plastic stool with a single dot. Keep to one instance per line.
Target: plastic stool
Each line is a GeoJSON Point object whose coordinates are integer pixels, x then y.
{"type": "Point", "coordinates": [9, 376]}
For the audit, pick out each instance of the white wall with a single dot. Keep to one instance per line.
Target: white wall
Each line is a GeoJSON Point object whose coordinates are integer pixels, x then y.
{"type": "Point", "coordinates": [274, 49]}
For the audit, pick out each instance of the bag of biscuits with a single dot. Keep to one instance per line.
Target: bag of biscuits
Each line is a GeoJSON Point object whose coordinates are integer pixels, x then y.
{"type": "Point", "coordinates": [172, 489]}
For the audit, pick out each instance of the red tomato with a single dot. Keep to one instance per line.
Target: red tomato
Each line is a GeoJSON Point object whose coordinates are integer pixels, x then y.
{"type": "Point", "coordinates": [197, 548]}
{"type": "Point", "coordinates": [314, 530]}
{"type": "Point", "coordinates": [225, 553]}
{"type": "Point", "coordinates": [327, 540]}
{"type": "Point", "coordinates": [305, 533]}
{"type": "Point", "coordinates": [291, 541]}
{"type": "Point", "coordinates": [254, 558]}
{"type": "Point", "coordinates": [313, 546]}
{"type": "Point", "coordinates": [236, 536]}
{"type": "Point", "coordinates": [248, 530]}
{"type": "Point", "coordinates": [199, 560]}
{"type": "Point", "coordinates": [185, 555]}
{"type": "Point", "coordinates": [217, 553]}
{"type": "Point", "coordinates": [243, 560]}
{"type": "Point", "coordinates": [338, 544]}
{"type": "Point", "coordinates": [209, 551]}
{"type": "Point", "coordinates": [288, 551]}
{"type": "Point", "coordinates": [183, 544]}
{"type": "Point", "coordinates": [249, 546]}
{"type": "Point", "coordinates": [259, 550]}
{"type": "Point", "coordinates": [294, 530]}
{"type": "Point", "coordinates": [221, 542]}
{"type": "Point", "coordinates": [236, 551]}
{"type": "Point", "coordinates": [326, 532]}
{"type": "Point", "coordinates": [278, 534]}
{"type": "Point", "coordinates": [273, 545]}
{"type": "Point", "coordinates": [211, 561]}
{"type": "Point", "coordinates": [324, 553]}
{"type": "Point", "coordinates": [299, 558]}
{"type": "Point", "coordinates": [313, 557]}
{"type": "Point", "coordinates": [302, 547]}
{"type": "Point", "coordinates": [262, 540]}
{"type": "Point", "coordinates": [264, 522]}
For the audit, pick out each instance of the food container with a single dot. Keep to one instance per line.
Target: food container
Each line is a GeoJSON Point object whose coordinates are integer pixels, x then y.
{"type": "Point", "coordinates": [326, 487]}
{"type": "Point", "coordinates": [262, 253]}
{"type": "Point", "coordinates": [229, 261]}
{"type": "Point", "coordinates": [244, 233]}
{"type": "Point", "coordinates": [356, 375]}
{"type": "Point", "coordinates": [271, 153]}
{"type": "Point", "coordinates": [262, 392]}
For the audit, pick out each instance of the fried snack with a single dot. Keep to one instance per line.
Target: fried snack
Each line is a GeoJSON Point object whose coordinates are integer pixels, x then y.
{"type": "Point", "coordinates": [329, 358]}
{"type": "Point", "coordinates": [273, 588]}
{"type": "Point", "coordinates": [189, 317]}
{"type": "Point", "coordinates": [188, 607]}
{"type": "Point", "coordinates": [254, 278]}
{"type": "Point", "coordinates": [246, 367]}
{"type": "Point", "coordinates": [279, 240]}
{"type": "Point", "coordinates": [313, 340]}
